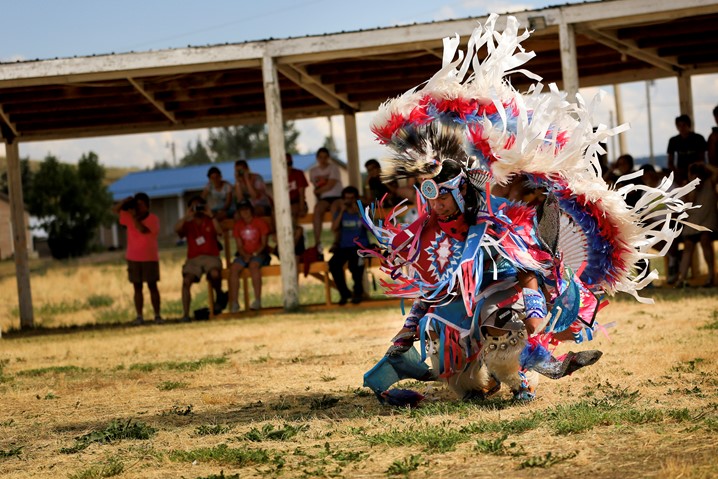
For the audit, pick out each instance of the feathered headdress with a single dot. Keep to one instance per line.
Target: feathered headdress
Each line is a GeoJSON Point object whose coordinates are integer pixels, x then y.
{"type": "Point", "coordinates": [478, 119]}
{"type": "Point", "coordinates": [481, 121]}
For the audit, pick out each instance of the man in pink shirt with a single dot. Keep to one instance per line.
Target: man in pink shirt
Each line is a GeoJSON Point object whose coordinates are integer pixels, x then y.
{"type": "Point", "coordinates": [143, 261]}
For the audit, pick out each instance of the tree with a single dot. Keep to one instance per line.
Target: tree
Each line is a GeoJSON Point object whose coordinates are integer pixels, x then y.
{"type": "Point", "coordinates": [196, 155]}
{"type": "Point", "coordinates": [71, 203]}
{"type": "Point", "coordinates": [25, 177]}
{"type": "Point", "coordinates": [247, 141]}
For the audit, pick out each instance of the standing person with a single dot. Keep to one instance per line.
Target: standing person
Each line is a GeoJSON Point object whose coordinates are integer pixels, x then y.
{"type": "Point", "coordinates": [143, 261]}
{"type": "Point", "coordinates": [327, 183]}
{"type": "Point", "coordinates": [297, 188]}
{"type": "Point", "coordinates": [200, 228]}
{"type": "Point", "coordinates": [713, 142]}
{"type": "Point", "coordinates": [684, 149]}
{"type": "Point", "coordinates": [350, 230]}
{"type": "Point", "coordinates": [250, 187]}
{"type": "Point", "coordinates": [250, 234]}
{"type": "Point", "coordinates": [218, 194]}
{"type": "Point", "coordinates": [705, 215]}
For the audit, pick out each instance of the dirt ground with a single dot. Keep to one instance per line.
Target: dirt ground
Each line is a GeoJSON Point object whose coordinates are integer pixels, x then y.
{"type": "Point", "coordinates": [282, 396]}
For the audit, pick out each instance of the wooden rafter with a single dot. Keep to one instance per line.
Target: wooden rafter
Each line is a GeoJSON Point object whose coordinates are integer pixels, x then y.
{"type": "Point", "coordinates": [151, 98]}
{"type": "Point", "coordinates": [629, 47]}
{"type": "Point", "coordinates": [7, 121]}
{"type": "Point", "coordinates": [314, 86]}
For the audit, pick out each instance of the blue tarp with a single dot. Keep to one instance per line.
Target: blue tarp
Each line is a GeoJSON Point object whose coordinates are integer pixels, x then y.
{"type": "Point", "coordinates": [177, 181]}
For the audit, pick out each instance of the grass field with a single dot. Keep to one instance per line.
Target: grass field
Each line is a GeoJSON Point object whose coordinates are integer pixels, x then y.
{"type": "Point", "coordinates": [281, 395]}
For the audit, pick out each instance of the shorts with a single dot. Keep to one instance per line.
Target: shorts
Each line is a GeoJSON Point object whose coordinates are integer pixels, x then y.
{"type": "Point", "coordinates": [200, 265]}
{"type": "Point", "coordinates": [143, 271]}
{"type": "Point", "coordinates": [330, 199]}
{"type": "Point", "coordinates": [262, 258]}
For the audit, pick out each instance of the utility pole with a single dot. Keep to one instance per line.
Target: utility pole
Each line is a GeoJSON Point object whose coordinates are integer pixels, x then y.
{"type": "Point", "coordinates": [173, 150]}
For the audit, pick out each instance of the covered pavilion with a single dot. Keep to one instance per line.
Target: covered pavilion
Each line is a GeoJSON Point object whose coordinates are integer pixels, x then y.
{"type": "Point", "coordinates": [590, 44]}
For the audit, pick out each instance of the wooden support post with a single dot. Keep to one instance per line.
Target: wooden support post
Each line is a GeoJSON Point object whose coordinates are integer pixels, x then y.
{"type": "Point", "coordinates": [569, 62]}
{"type": "Point", "coordinates": [19, 235]}
{"type": "Point", "coordinates": [685, 96]}
{"type": "Point", "coordinates": [350, 131]}
{"type": "Point", "coordinates": [622, 148]}
{"type": "Point", "coordinates": [282, 209]}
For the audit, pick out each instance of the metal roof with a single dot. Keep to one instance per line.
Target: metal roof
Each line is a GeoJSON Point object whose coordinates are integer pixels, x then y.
{"type": "Point", "coordinates": [616, 41]}
{"type": "Point", "coordinates": [177, 181]}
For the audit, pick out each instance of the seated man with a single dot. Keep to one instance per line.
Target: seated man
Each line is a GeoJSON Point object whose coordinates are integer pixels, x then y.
{"type": "Point", "coordinates": [251, 234]}
{"type": "Point", "coordinates": [200, 228]}
{"type": "Point", "coordinates": [350, 229]}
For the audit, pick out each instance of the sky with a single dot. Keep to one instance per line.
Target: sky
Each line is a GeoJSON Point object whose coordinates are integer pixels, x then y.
{"type": "Point", "coordinates": [38, 29]}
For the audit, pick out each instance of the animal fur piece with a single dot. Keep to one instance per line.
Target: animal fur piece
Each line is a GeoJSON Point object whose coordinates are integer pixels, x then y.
{"type": "Point", "coordinates": [421, 150]}
{"type": "Point", "coordinates": [501, 355]}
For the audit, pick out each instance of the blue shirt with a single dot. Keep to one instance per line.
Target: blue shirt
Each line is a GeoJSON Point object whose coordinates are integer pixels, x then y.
{"type": "Point", "coordinates": [352, 228]}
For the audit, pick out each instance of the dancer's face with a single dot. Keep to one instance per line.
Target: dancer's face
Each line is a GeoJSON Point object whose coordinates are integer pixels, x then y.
{"type": "Point", "coordinates": [444, 206]}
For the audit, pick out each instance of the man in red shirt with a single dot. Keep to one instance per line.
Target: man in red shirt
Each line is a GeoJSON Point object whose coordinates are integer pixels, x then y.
{"type": "Point", "coordinates": [200, 228]}
{"type": "Point", "coordinates": [251, 234]}
{"type": "Point", "coordinates": [142, 253]}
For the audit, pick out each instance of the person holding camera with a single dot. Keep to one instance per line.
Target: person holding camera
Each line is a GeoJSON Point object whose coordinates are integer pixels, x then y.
{"type": "Point", "coordinates": [350, 232]}
{"type": "Point", "coordinates": [200, 228]}
{"type": "Point", "coordinates": [142, 254]}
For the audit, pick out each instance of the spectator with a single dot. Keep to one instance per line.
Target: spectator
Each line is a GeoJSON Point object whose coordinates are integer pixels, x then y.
{"type": "Point", "coordinates": [350, 229]}
{"type": "Point", "coordinates": [705, 215]}
{"type": "Point", "coordinates": [143, 261]}
{"type": "Point", "coordinates": [713, 142]}
{"type": "Point", "coordinates": [200, 228]}
{"type": "Point", "coordinates": [376, 190]}
{"type": "Point", "coordinates": [250, 187]}
{"type": "Point", "coordinates": [218, 194]}
{"type": "Point", "coordinates": [251, 235]}
{"type": "Point", "coordinates": [327, 183]}
{"type": "Point", "coordinates": [685, 149]}
{"type": "Point", "coordinates": [297, 188]}
{"type": "Point", "coordinates": [624, 165]}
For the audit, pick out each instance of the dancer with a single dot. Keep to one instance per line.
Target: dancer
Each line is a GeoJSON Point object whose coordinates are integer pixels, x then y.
{"type": "Point", "coordinates": [497, 284]}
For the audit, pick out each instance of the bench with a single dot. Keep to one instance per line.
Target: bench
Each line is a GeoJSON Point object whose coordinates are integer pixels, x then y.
{"type": "Point", "coordinates": [318, 270]}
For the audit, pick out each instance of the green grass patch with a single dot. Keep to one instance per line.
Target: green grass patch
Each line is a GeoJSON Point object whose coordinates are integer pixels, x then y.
{"type": "Point", "coordinates": [114, 431]}
{"type": "Point", "coordinates": [109, 468]}
{"type": "Point", "coordinates": [212, 429]}
{"type": "Point", "coordinates": [99, 301]}
{"type": "Point", "coordinates": [224, 454]}
{"type": "Point", "coordinates": [547, 460]}
{"type": "Point", "coordinates": [432, 439]}
{"type": "Point", "coordinates": [498, 447]}
{"type": "Point", "coordinates": [53, 370]}
{"type": "Point", "coordinates": [114, 315]}
{"type": "Point", "coordinates": [12, 452]}
{"type": "Point", "coordinates": [269, 433]}
{"type": "Point", "coordinates": [171, 385]}
{"type": "Point", "coordinates": [183, 366]}
{"type": "Point", "coordinates": [404, 466]}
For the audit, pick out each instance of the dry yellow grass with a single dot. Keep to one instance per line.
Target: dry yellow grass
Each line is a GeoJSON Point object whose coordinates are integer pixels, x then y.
{"type": "Point", "coordinates": [305, 371]}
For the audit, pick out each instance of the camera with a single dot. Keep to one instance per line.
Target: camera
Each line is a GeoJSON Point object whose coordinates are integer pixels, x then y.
{"type": "Point", "coordinates": [198, 207]}
{"type": "Point", "coordinates": [129, 205]}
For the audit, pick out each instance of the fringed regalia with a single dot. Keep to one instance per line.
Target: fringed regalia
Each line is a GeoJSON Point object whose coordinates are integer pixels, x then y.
{"type": "Point", "coordinates": [582, 241]}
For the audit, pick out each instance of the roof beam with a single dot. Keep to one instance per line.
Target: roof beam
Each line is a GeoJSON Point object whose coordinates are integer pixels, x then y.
{"type": "Point", "coordinates": [7, 121]}
{"type": "Point", "coordinates": [629, 48]}
{"type": "Point", "coordinates": [151, 98]}
{"type": "Point", "coordinates": [314, 86]}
